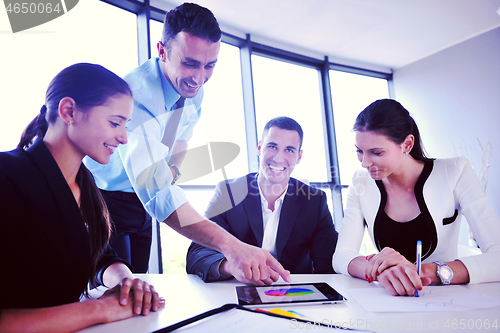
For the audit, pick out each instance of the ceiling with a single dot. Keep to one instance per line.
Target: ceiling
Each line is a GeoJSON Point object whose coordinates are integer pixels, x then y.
{"type": "Point", "coordinates": [376, 34]}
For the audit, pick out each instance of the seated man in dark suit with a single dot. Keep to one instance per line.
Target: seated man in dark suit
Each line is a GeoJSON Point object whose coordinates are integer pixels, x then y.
{"type": "Point", "coordinates": [271, 210]}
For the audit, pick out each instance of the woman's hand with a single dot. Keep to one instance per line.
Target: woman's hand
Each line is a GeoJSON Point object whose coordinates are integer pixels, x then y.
{"type": "Point", "coordinates": [402, 280]}
{"type": "Point", "coordinates": [114, 308]}
{"type": "Point", "coordinates": [394, 272]}
{"type": "Point", "coordinates": [143, 297]}
{"type": "Point", "coordinates": [379, 262]}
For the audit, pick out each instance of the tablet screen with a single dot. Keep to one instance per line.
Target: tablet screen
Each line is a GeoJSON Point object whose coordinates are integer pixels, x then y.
{"type": "Point", "coordinates": [287, 294]}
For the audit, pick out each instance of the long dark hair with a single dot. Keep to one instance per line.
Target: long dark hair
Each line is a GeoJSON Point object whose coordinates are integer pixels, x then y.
{"type": "Point", "coordinates": [89, 85]}
{"type": "Point", "coordinates": [390, 118]}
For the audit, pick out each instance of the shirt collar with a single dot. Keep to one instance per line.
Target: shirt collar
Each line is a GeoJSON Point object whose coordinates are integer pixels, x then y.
{"type": "Point", "coordinates": [171, 96]}
{"type": "Point", "coordinates": [278, 201]}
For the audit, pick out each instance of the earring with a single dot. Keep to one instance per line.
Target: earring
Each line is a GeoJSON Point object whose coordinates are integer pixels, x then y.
{"type": "Point", "coordinates": [70, 122]}
{"type": "Point", "coordinates": [407, 153]}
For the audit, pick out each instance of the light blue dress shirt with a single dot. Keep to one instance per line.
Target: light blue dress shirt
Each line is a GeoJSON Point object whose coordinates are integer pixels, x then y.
{"type": "Point", "coordinates": [141, 165]}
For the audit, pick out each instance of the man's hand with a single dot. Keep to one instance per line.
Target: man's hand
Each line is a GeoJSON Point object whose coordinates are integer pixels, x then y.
{"type": "Point", "coordinates": [250, 264]}
{"type": "Point", "coordinates": [227, 268]}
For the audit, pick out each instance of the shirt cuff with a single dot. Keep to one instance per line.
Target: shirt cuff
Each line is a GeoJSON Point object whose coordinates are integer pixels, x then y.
{"type": "Point", "coordinates": [165, 202]}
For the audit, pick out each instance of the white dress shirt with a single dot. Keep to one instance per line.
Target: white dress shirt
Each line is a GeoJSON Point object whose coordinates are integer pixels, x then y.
{"type": "Point", "coordinates": [271, 219]}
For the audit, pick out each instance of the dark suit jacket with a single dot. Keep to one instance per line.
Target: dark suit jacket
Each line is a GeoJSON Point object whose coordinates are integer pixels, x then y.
{"type": "Point", "coordinates": [306, 236]}
{"type": "Point", "coordinates": [44, 243]}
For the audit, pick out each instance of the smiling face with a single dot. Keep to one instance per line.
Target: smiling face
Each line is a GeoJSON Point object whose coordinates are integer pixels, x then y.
{"type": "Point", "coordinates": [381, 156]}
{"type": "Point", "coordinates": [279, 153]}
{"type": "Point", "coordinates": [98, 131]}
{"type": "Point", "coordinates": [189, 64]}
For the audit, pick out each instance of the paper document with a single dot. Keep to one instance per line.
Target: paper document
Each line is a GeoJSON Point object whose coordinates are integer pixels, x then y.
{"type": "Point", "coordinates": [432, 298]}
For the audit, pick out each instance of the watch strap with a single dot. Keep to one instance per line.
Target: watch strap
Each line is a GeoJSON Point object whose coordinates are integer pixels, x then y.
{"type": "Point", "coordinates": [177, 173]}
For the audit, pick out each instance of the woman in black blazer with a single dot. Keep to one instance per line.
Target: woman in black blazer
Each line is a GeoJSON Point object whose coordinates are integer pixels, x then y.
{"type": "Point", "coordinates": [54, 225]}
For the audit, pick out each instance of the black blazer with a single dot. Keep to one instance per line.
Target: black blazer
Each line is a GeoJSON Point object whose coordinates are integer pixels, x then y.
{"type": "Point", "coordinates": [44, 243]}
{"type": "Point", "coordinates": [306, 236]}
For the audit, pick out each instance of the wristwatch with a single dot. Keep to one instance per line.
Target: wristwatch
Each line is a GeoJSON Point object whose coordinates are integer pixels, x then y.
{"type": "Point", "coordinates": [177, 173]}
{"type": "Point", "coordinates": [444, 272]}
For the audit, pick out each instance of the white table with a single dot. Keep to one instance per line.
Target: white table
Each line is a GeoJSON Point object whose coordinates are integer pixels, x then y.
{"type": "Point", "coordinates": [187, 296]}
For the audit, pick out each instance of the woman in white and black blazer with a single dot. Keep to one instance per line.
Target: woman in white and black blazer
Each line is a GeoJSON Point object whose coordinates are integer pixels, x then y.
{"type": "Point", "coordinates": [402, 197]}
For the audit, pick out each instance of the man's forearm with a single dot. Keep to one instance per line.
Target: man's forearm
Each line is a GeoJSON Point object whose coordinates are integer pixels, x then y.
{"type": "Point", "coordinates": [189, 223]}
{"type": "Point", "coordinates": [179, 151]}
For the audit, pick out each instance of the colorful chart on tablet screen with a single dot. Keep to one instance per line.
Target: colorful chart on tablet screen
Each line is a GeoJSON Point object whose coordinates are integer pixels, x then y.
{"type": "Point", "coordinates": [289, 292]}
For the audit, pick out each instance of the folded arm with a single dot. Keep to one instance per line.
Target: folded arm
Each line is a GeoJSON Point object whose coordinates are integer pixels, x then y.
{"type": "Point", "coordinates": [127, 298]}
{"type": "Point", "coordinates": [399, 276]}
{"type": "Point", "coordinates": [65, 318]}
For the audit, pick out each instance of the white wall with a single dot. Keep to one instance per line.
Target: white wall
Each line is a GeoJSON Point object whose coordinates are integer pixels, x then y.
{"type": "Point", "coordinates": [454, 96]}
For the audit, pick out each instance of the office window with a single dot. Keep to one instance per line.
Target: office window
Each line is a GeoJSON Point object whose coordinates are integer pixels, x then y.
{"type": "Point", "coordinates": [174, 246]}
{"type": "Point", "coordinates": [156, 29]}
{"type": "Point", "coordinates": [92, 32]}
{"type": "Point", "coordinates": [351, 93]}
{"type": "Point", "coordinates": [285, 89]}
{"type": "Point", "coordinates": [222, 117]}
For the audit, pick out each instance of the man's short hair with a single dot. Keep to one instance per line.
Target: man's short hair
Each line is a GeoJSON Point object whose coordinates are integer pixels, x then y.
{"type": "Point", "coordinates": [285, 123]}
{"type": "Point", "coordinates": [193, 19]}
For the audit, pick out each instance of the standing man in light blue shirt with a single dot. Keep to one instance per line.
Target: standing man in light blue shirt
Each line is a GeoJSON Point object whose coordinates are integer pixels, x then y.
{"type": "Point", "coordinates": [138, 183]}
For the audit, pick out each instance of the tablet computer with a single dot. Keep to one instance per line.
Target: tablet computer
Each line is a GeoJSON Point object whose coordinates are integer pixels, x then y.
{"type": "Point", "coordinates": [288, 294]}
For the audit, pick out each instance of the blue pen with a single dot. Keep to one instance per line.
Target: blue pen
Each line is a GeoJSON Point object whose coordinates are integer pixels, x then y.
{"type": "Point", "coordinates": [419, 261]}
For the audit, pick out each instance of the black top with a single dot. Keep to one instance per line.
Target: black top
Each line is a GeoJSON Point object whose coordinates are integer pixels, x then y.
{"type": "Point", "coordinates": [386, 233]}
{"type": "Point", "coordinates": [403, 236]}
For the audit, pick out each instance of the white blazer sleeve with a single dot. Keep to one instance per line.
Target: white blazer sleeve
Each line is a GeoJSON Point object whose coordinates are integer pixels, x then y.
{"type": "Point", "coordinates": [352, 230]}
{"type": "Point", "coordinates": [483, 222]}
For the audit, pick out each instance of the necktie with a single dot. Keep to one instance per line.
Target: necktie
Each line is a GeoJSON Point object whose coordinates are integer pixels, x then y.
{"type": "Point", "coordinates": [171, 128]}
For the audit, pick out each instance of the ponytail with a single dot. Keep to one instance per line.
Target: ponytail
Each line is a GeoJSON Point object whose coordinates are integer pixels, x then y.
{"type": "Point", "coordinates": [418, 151]}
{"type": "Point", "coordinates": [35, 129]}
